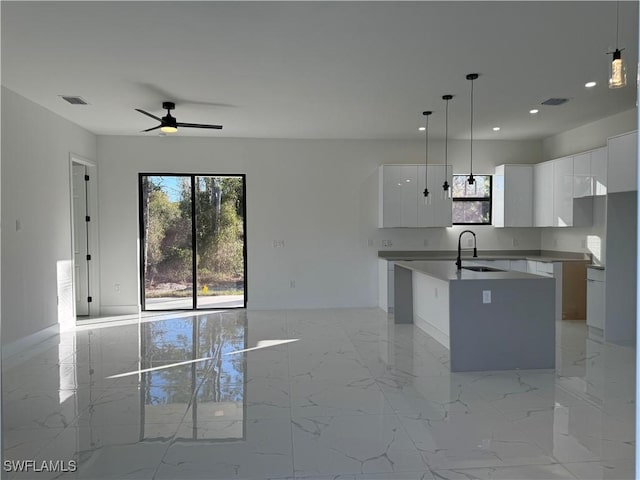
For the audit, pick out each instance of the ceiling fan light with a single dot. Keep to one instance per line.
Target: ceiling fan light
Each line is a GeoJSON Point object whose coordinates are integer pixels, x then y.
{"type": "Point", "coordinates": [168, 129]}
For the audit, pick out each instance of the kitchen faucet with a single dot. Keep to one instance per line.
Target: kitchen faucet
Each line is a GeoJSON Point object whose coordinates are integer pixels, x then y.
{"type": "Point", "coordinates": [475, 250]}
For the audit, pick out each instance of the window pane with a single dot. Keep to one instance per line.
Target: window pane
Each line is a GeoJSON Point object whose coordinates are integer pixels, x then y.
{"type": "Point", "coordinates": [481, 187]}
{"type": "Point", "coordinates": [459, 185]}
{"type": "Point", "coordinates": [471, 211]}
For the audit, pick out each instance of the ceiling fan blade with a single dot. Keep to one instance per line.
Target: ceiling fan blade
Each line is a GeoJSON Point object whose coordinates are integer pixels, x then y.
{"type": "Point", "coordinates": [149, 129]}
{"type": "Point", "coordinates": [199, 125]}
{"type": "Point", "coordinates": [148, 114]}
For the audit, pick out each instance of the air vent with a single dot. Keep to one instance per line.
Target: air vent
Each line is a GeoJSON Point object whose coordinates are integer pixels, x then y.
{"type": "Point", "coordinates": [555, 101]}
{"type": "Point", "coordinates": [74, 100]}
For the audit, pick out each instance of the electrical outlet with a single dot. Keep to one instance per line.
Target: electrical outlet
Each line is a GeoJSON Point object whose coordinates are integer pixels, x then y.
{"type": "Point", "coordinates": [514, 242]}
{"type": "Point", "coordinates": [278, 244]}
{"type": "Point", "coordinates": [583, 243]}
{"type": "Point", "coordinates": [116, 287]}
{"type": "Point", "coordinates": [555, 242]}
{"type": "Point", "coordinates": [425, 242]}
{"type": "Point", "coordinates": [469, 243]}
{"type": "Point", "coordinates": [486, 296]}
{"type": "Point", "coordinates": [370, 243]}
{"type": "Point", "coordinates": [436, 292]}
{"type": "Point", "coordinates": [387, 243]}
{"type": "Point", "coordinates": [18, 225]}
{"type": "Point", "coordinates": [292, 284]}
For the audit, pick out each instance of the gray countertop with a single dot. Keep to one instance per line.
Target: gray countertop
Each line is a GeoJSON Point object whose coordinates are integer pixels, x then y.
{"type": "Point", "coordinates": [535, 255]}
{"type": "Point", "coordinates": [447, 271]}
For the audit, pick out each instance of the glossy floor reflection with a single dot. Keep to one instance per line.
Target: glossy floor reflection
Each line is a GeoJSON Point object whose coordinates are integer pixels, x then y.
{"type": "Point", "coordinates": [353, 396]}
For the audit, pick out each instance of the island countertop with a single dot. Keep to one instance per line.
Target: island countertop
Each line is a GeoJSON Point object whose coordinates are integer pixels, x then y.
{"type": "Point", "coordinates": [447, 271]}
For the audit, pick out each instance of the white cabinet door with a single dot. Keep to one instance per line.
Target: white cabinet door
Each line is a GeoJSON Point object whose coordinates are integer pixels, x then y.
{"type": "Point", "coordinates": [582, 179]}
{"type": "Point", "coordinates": [518, 265]}
{"type": "Point", "coordinates": [595, 303]}
{"type": "Point", "coordinates": [563, 192]}
{"type": "Point", "coordinates": [622, 167]}
{"type": "Point", "coordinates": [517, 196]}
{"type": "Point", "coordinates": [599, 171]}
{"type": "Point", "coordinates": [398, 196]}
{"type": "Point", "coordinates": [543, 191]}
{"type": "Point", "coordinates": [437, 213]}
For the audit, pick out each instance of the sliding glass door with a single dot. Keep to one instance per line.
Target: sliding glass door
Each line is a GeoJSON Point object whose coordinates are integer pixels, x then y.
{"type": "Point", "coordinates": [193, 251]}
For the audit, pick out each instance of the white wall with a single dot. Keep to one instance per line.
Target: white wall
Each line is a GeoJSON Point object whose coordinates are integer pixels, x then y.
{"type": "Point", "coordinates": [36, 193]}
{"type": "Point", "coordinates": [319, 196]}
{"type": "Point", "coordinates": [593, 135]}
{"type": "Point", "coordinates": [589, 136]}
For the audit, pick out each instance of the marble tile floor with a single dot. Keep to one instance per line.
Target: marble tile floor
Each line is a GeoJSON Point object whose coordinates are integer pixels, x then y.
{"type": "Point", "coordinates": [351, 396]}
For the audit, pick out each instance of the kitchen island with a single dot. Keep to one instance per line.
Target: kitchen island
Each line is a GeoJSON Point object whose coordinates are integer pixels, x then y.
{"type": "Point", "coordinates": [489, 320]}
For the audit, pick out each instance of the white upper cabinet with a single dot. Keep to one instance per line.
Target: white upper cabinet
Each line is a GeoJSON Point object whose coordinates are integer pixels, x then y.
{"type": "Point", "coordinates": [513, 196]}
{"type": "Point", "coordinates": [398, 193]}
{"type": "Point", "coordinates": [401, 200]}
{"type": "Point", "coordinates": [437, 213]}
{"type": "Point", "coordinates": [582, 179]}
{"type": "Point", "coordinates": [599, 171]}
{"type": "Point", "coordinates": [563, 192]}
{"type": "Point", "coordinates": [622, 165]}
{"type": "Point", "coordinates": [543, 190]}
{"type": "Point", "coordinates": [590, 173]}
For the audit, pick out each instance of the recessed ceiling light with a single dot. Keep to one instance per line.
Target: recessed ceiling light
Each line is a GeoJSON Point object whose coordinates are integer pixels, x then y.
{"type": "Point", "coordinates": [408, 180]}
{"type": "Point", "coordinates": [590, 84]}
{"type": "Point", "coordinates": [533, 111]}
{"type": "Point", "coordinates": [422, 129]}
{"type": "Point", "coordinates": [496, 129]}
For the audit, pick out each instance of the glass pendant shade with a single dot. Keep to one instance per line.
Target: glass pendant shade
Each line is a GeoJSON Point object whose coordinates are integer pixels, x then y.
{"type": "Point", "coordinates": [617, 71]}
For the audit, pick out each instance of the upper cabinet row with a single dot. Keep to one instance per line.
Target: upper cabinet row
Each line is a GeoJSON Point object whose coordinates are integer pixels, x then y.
{"type": "Point", "coordinates": [556, 193]}
{"type": "Point", "coordinates": [545, 194]}
{"type": "Point", "coordinates": [401, 199]}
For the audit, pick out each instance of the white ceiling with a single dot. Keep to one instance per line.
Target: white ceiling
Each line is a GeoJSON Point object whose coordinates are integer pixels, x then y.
{"type": "Point", "coordinates": [320, 69]}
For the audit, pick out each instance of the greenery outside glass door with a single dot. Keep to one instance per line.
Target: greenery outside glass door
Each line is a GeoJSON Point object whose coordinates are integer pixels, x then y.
{"type": "Point", "coordinates": [193, 249]}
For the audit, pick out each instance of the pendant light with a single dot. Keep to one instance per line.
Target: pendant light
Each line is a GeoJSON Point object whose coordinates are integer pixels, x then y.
{"type": "Point", "coordinates": [617, 68]}
{"type": "Point", "coordinates": [427, 199]}
{"type": "Point", "coordinates": [470, 179]}
{"type": "Point", "coordinates": [445, 186]}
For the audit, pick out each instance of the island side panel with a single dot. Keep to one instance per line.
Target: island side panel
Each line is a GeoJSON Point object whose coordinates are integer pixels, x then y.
{"type": "Point", "coordinates": [515, 331]}
{"type": "Point", "coordinates": [431, 306]}
{"type": "Point", "coordinates": [403, 295]}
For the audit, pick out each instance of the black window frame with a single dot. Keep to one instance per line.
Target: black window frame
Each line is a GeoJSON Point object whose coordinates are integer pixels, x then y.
{"type": "Point", "coordinates": [475, 199]}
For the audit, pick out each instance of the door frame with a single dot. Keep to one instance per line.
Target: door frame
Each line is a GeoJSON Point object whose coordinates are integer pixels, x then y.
{"type": "Point", "coordinates": [92, 232]}
{"type": "Point", "coordinates": [141, 239]}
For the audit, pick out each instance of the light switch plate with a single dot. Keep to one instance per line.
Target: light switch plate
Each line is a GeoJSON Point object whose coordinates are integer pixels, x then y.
{"type": "Point", "coordinates": [486, 296]}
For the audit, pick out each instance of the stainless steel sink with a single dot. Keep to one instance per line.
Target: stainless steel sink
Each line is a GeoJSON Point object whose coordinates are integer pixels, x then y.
{"type": "Point", "coordinates": [479, 268]}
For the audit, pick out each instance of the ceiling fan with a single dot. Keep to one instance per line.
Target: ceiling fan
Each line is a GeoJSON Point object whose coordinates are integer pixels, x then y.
{"type": "Point", "coordinates": [169, 123]}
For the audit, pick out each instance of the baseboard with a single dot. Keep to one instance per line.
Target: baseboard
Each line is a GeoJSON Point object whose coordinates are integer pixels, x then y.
{"type": "Point", "coordinates": [430, 329]}
{"type": "Point", "coordinates": [29, 342]}
{"type": "Point", "coordinates": [109, 310]}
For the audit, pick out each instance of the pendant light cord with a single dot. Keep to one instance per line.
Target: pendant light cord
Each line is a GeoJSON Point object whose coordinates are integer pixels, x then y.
{"type": "Point", "coordinates": [426, 153]}
{"type": "Point", "coordinates": [471, 143]}
{"type": "Point", "coordinates": [445, 185]}
{"type": "Point", "coordinates": [470, 179]}
{"type": "Point", "coordinates": [617, 21]}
